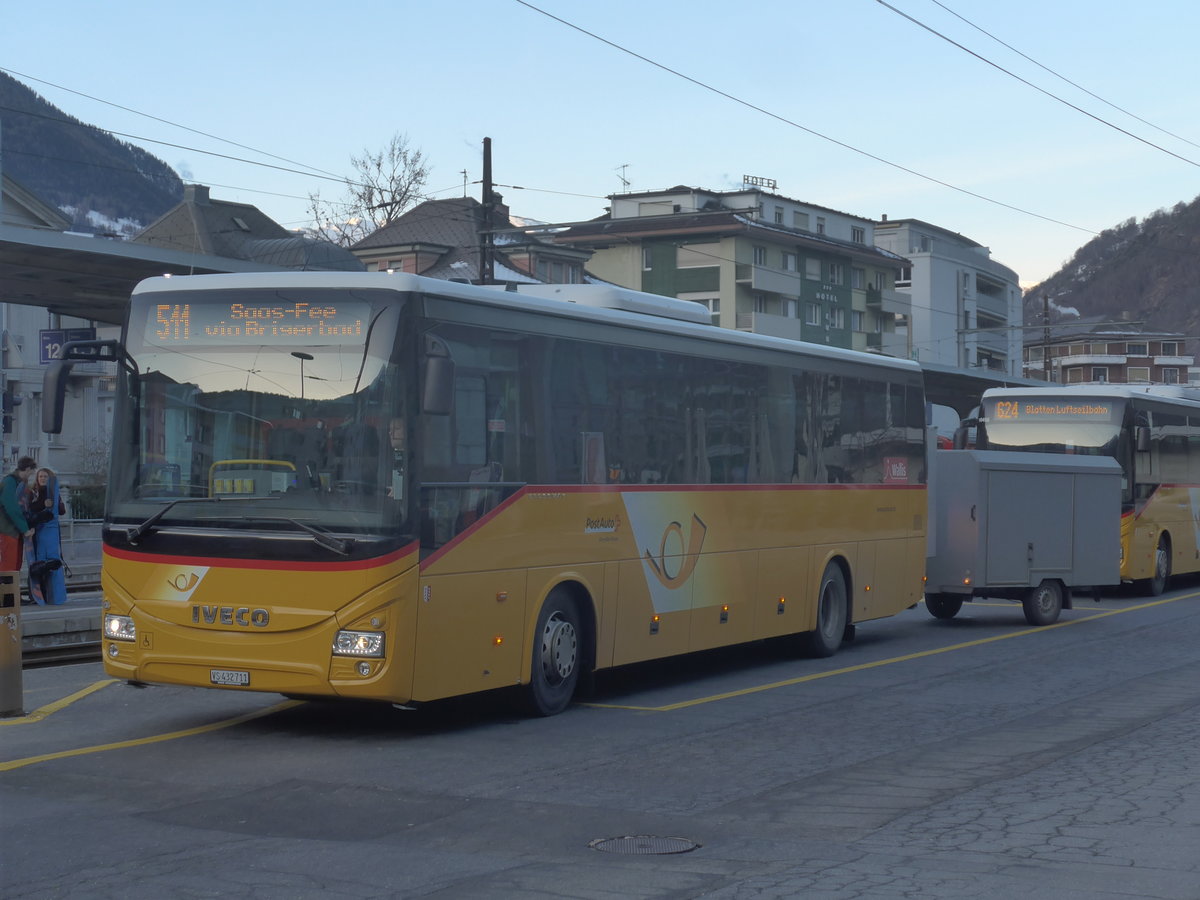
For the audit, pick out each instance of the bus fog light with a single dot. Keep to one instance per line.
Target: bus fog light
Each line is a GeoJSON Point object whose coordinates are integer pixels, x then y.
{"type": "Point", "coordinates": [364, 669]}
{"type": "Point", "coordinates": [358, 643]}
{"type": "Point", "coordinates": [113, 651]}
{"type": "Point", "coordinates": [120, 628]}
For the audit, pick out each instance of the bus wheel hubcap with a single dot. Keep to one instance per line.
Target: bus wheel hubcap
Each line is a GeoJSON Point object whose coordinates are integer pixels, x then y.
{"type": "Point", "coordinates": [559, 646]}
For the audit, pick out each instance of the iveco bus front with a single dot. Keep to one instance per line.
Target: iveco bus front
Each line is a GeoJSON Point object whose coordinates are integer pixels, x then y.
{"type": "Point", "coordinates": [284, 417]}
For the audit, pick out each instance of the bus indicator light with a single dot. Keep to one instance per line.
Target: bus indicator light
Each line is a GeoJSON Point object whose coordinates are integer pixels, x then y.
{"type": "Point", "coordinates": [498, 640]}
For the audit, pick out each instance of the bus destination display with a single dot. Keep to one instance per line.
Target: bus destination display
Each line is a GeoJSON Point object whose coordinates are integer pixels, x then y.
{"type": "Point", "coordinates": [282, 322]}
{"type": "Point", "coordinates": [1058, 410]}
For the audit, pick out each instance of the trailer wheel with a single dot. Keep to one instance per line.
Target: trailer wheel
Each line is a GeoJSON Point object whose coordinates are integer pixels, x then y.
{"type": "Point", "coordinates": [943, 606]}
{"type": "Point", "coordinates": [832, 615]}
{"type": "Point", "coordinates": [1043, 603]}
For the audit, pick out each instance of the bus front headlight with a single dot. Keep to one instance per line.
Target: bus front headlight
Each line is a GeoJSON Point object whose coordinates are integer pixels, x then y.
{"type": "Point", "coordinates": [358, 643]}
{"type": "Point", "coordinates": [120, 628]}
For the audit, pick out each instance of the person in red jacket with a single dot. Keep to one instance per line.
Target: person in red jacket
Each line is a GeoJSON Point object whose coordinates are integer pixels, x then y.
{"type": "Point", "coordinates": [14, 528]}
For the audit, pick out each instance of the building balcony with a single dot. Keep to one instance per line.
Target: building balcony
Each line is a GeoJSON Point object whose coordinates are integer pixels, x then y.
{"type": "Point", "coordinates": [760, 278]}
{"type": "Point", "coordinates": [1174, 360]}
{"type": "Point", "coordinates": [889, 301]}
{"type": "Point", "coordinates": [1085, 359]}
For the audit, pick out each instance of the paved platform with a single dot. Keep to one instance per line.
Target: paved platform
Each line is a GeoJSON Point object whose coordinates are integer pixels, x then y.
{"type": "Point", "coordinates": [74, 623]}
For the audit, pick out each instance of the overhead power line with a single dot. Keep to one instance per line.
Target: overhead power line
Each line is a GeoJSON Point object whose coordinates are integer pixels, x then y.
{"type": "Point", "coordinates": [1040, 90]}
{"type": "Point", "coordinates": [786, 121]}
{"type": "Point", "coordinates": [149, 140]}
{"type": "Point", "coordinates": [164, 121]}
{"type": "Point", "coordinates": [1062, 77]}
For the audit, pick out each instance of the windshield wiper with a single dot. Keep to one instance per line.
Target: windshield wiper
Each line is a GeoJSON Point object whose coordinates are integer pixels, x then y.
{"type": "Point", "coordinates": [134, 534]}
{"type": "Point", "coordinates": [324, 538]}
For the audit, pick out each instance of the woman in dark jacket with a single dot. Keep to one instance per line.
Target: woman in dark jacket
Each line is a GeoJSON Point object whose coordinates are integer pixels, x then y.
{"type": "Point", "coordinates": [47, 581]}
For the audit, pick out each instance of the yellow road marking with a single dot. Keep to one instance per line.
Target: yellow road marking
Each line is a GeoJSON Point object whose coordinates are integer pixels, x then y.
{"type": "Point", "coordinates": [152, 739]}
{"type": "Point", "coordinates": [50, 708]}
{"type": "Point", "coordinates": [671, 707]}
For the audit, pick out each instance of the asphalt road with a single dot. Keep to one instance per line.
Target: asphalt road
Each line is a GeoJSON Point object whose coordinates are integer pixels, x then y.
{"type": "Point", "coordinates": [971, 758]}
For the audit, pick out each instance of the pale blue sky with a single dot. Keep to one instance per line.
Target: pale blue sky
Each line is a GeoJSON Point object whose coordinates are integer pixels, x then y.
{"type": "Point", "coordinates": [318, 82]}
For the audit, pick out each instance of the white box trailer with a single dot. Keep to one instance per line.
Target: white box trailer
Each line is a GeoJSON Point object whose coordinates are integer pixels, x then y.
{"type": "Point", "coordinates": [1032, 527]}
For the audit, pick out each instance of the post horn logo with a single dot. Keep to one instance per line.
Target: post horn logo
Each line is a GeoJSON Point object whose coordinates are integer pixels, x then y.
{"type": "Point", "coordinates": [694, 542]}
{"type": "Point", "coordinates": [184, 583]}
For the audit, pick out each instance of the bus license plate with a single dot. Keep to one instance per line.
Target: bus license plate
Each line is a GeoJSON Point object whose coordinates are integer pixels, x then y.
{"type": "Point", "coordinates": [228, 676]}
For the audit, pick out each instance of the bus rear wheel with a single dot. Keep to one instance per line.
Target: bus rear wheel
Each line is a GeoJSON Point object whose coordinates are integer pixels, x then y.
{"type": "Point", "coordinates": [943, 606]}
{"type": "Point", "coordinates": [557, 656]}
{"type": "Point", "coordinates": [1157, 583]}
{"type": "Point", "coordinates": [832, 615]}
{"type": "Point", "coordinates": [1043, 604]}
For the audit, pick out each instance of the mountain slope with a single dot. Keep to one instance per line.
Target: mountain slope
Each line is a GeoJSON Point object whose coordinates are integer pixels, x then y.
{"type": "Point", "coordinates": [78, 168]}
{"type": "Point", "coordinates": [1148, 270]}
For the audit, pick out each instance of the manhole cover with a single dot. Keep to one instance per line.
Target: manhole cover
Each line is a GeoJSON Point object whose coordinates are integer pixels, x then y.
{"type": "Point", "coordinates": [646, 844]}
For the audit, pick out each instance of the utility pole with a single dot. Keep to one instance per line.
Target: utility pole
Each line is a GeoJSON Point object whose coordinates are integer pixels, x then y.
{"type": "Point", "coordinates": [487, 240]}
{"type": "Point", "coordinates": [1046, 337]}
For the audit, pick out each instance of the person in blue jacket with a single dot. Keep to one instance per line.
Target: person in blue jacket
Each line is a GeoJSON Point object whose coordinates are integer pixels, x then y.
{"type": "Point", "coordinates": [47, 581]}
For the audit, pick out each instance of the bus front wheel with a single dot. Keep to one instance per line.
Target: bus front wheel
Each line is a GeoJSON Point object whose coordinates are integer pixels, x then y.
{"type": "Point", "coordinates": [1044, 603]}
{"type": "Point", "coordinates": [831, 615]}
{"type": "Point", "coordinates": [557, 656]}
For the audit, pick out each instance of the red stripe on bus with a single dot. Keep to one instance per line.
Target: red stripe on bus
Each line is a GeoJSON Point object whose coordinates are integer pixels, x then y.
{"type": "Point", "coordinates": [280, 565]}
{"type": "Point", "coordinates": [696, 488]}
{"type": "Point", "coordinates": [641, 488]}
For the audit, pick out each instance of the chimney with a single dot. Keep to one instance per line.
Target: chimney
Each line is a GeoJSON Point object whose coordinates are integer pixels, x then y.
{"type": "Point", "coordinates": [196, 193]}
{"type": "Point", "coordinates": [500, 212]}
{"type": "Point", "coordinates": [884, 219]}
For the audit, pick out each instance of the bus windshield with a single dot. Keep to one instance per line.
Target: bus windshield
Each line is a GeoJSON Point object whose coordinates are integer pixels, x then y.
{"type": "Point", "coordinates": [290, 403]}
{"type": "Point", "coordinates": [1054, 424]}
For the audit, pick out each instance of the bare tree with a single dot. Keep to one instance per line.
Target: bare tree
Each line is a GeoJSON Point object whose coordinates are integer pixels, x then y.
{"type": "Point", "coordinates": [384, 185]}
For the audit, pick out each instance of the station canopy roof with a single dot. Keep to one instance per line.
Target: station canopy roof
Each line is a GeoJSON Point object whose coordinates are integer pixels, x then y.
{"type": "Point", "coordinates": [91, 277]}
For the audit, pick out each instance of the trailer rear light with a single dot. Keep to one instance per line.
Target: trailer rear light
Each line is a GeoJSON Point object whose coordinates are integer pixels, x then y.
{"type": "Point", "coordinates": [120, 628]}
{"type": "Point", "coordinates": [358, 643]}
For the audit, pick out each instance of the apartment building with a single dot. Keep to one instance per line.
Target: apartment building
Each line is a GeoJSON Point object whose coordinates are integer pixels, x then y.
{"type": "Point", "coordinates": [1103, 353]}
{"type": "Point", "coordinates": [966, 307]}
{"type": "Point", "coordinates": [759, 261]}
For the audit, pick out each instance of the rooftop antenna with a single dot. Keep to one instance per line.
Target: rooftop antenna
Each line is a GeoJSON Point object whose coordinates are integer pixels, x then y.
{"type": "Point", "coordinates": [464, 175]}
{"type": "Point", "coordinates": [624, 181]}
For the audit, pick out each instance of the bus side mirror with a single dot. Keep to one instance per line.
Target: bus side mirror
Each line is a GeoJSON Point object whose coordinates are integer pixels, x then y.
{"type": "Point", "coordinates": [54, 394]}
{"type": "Point", "coordinates": [437, 392]}
{"type": "Point", "coordinates": [964, 433]}
{"type": "Point", "coordinates": [1143, 439]}
{"type": "Point", "coordinates": [54, 382]}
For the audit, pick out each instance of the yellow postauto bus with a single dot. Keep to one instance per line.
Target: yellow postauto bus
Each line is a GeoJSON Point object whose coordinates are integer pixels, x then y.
{"type": "Point", "coordinates": [461, 488]}
{"type": "Point", "coordinates": [1153, 431]}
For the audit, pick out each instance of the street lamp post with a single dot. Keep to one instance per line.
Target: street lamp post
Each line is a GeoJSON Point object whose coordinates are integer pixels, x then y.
{"type": "Point", "coordinates": [302, 356]}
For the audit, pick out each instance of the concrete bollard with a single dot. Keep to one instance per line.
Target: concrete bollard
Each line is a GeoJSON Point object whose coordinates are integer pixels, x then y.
{"type": "Point", "coordinates": [11, 689]}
